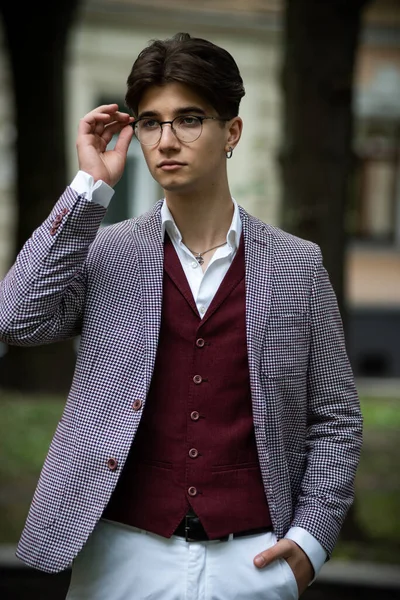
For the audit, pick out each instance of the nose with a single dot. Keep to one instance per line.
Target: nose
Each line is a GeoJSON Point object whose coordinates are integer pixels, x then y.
{"type": "Point", "coordinates": [168, 138]}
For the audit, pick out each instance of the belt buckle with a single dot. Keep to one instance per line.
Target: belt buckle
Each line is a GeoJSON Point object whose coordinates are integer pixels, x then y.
{"type": "Point", "coordinates": [187, 528]}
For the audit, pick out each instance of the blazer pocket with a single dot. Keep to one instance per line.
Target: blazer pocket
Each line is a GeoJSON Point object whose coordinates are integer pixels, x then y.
{"type": "Point", "coordinates": [286, 345]}
{"type": "Point", "coordinates": [234, 467]}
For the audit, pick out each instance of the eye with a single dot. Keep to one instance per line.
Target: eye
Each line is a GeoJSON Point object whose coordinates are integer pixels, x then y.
{"type": "Point", "coordinates": [188, 121]}
{"type": "Point", "coordinates": [149, 124]}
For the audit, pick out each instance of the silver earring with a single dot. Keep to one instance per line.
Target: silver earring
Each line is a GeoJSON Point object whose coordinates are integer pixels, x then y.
{"type": "Point", "coordinates": [230, 152]}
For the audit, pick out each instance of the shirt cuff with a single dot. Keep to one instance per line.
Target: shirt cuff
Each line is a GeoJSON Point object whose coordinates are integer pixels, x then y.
{"type": "Point", "coordinates": [99, 192]}
{"type": "Point", "coordinates": [307, 542]}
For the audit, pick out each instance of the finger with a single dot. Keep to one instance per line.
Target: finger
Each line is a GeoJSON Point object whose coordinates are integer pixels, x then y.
{"type": "Point", "coordinates": [281, 549]}
{"type": "Point", "coordinates": [95, 121]}
{"type": "Point", "coordinates": [123, 140]}
{"type": "Point", "coordinates": [92, 122]}
{"type": "Point", "coordinates": [119, 118]}
{"type": "Point", "coordinates": [111, 130]}
{"type": "Point", "coordinates": [106, 107]}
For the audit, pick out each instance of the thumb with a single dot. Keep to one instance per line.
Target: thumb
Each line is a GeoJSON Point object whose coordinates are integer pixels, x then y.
{"type": "Point", "coordinates": [280, 550]}
{"type": "Point", "coordinates": [123, 140]}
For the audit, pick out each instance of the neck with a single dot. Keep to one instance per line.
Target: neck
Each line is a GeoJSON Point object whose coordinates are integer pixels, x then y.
{"type": "Point", "coordinates": [202, 218]}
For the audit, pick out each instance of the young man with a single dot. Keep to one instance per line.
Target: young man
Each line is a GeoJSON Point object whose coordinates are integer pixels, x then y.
{"type": "Point", "coordinates": [211, 436]}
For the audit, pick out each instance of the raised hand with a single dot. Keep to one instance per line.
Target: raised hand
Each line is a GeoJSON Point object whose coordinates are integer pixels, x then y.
{"type": "Point", "coordinates": [95, 131]}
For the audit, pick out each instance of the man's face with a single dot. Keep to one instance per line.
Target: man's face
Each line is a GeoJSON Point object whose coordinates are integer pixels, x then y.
{"type": "Point", "coordinates": [183, 167]}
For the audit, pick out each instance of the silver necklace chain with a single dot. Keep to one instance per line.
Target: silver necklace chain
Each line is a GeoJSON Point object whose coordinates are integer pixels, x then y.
{"type": "Point", "coordinates": [199, 255]}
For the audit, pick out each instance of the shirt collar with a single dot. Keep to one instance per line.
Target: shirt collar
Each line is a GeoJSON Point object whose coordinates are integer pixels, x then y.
{"type": "Point", "coordinates": [232, 237]}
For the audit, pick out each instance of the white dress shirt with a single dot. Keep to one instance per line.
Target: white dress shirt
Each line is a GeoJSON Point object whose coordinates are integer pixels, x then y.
{"type": "Point", "coordinates": [203, 285]}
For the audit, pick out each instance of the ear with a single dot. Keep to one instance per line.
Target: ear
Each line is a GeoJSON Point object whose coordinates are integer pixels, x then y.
{"type": "Point", "coordinates": [234, 132]}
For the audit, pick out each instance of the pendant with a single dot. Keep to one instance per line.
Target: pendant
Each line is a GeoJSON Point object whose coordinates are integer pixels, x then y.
{"type": "Point", "coordinates": [199, 259]}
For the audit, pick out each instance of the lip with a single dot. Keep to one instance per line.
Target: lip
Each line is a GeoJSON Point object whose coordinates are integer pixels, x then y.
{"type": "Point", "coordinates": [170, 165]}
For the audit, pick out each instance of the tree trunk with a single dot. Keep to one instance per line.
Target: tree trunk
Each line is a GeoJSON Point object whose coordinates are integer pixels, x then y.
{"type": "Point", "coordinates": [321, 40]}
{"type": "Point", "coordinates": [37, 50]}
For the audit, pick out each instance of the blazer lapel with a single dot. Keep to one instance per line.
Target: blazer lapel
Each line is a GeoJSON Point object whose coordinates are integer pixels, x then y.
{"type": "Point", "coordinates": [258, 246]}
{"type": "Point", "coordinates": [174, 270]}
{"type": "Point", "coordinates": [149, 244]}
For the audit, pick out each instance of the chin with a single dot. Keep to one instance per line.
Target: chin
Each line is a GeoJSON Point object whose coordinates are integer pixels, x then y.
{"type": "Point", "coordinates": [175, 185]}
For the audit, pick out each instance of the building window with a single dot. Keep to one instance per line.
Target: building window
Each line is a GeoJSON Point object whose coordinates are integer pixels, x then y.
{"type": "Point", "coordinates": [374, 213]}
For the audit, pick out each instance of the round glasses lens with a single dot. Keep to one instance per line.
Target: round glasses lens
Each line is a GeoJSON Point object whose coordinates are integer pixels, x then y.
{"type": "Point", "coordinates": [148, 131]}
{"type": "Point", "coordinates": [187, 129]}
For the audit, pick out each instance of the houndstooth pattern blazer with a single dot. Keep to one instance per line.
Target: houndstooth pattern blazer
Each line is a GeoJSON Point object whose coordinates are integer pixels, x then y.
{"type": "Point", "coordinates": [74, 278]}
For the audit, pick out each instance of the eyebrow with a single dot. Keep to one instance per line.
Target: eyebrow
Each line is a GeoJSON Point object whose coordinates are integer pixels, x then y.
{"type": "Point", "coordinates": [183, 110]}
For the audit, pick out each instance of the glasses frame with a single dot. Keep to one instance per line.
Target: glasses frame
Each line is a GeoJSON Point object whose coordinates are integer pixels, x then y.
{"type": "Point", "coordinates": [161, 123]}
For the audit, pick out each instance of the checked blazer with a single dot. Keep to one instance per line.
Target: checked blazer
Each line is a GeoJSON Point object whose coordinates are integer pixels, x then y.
{"type": "Point", "coordinates": [74, 278]}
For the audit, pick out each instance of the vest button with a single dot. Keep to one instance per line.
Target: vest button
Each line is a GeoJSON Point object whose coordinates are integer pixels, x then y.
{"type": "Point", "coordinates": [200, 343]}
{"type": "Point", "coordinates": [193, 453]}
{"type": "Point", "coordinates": [137, 405]}
{"type": "Point", "coordinates": [197, 379]}
{"type": "Point", "coordinates": [112, 464]}
{"type": "Point", "coordinates": [192, 491]}
{"type": "Point", "coordinates": [194, 415]}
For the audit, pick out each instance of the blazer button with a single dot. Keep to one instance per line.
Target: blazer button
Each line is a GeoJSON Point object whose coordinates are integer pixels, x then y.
{"type": "Point", "coordinates": [192, 491]}
{"type": "Point", "coordinates": [197, 379]}
{"type": "Point", "coordinates": [137, 405]}
{"type": "Point", "coordinates": [112, 464]}
{"type": "Point", "coordinates": [64, 211]}
{"type": "Point", "coordinates": [200, 343]}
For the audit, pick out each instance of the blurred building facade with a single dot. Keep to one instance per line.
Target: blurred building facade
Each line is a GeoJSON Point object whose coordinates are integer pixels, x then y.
{"type": "Point", "coordinates": [373, 269]}
{"type": "Point", "coordinates": [108, 36]}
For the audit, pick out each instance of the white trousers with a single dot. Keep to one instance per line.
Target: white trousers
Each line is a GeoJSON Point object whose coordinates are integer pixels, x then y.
{"type": "Point", "coordinates": [124, 563]}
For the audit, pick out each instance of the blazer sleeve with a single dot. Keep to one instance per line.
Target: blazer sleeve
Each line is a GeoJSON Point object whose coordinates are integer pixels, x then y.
{"type": "Point", "coordinates": [42, 296]}
{"type": "Point", "coordinates": [334, 423]}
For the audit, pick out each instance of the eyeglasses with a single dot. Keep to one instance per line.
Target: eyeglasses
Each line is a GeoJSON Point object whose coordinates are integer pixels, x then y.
{"type": "Point", "coordinates": [187, 128]}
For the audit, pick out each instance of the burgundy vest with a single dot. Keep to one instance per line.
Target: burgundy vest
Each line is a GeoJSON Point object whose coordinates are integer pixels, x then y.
{"type": "Point", "coordinates": [195, 445]}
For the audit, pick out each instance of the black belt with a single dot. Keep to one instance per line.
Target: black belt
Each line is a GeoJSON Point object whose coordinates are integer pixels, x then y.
{"type": "Point", "coordinates": [192, 530]}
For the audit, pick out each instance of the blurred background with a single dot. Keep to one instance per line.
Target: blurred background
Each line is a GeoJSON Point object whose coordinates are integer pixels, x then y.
{"type": "Point", "coordinates": [319, 156]}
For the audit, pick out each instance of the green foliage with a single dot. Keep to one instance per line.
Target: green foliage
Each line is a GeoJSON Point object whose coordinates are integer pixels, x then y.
{"type": "Point", "coordinates": [27, 425]}
{"type": "Point", "coordinates": [26, 429]}
{"type": "Point", "coordinates": [381, 413]}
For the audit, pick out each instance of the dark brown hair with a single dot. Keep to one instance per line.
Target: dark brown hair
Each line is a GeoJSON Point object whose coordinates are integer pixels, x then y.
{"type": "Point", "coordinates": [208, 69]}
